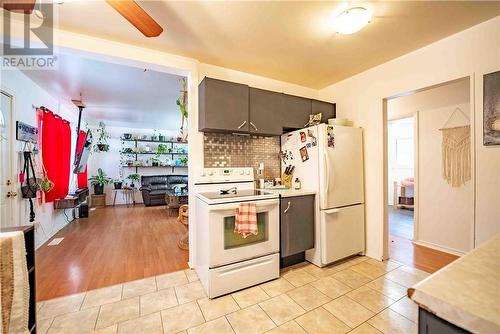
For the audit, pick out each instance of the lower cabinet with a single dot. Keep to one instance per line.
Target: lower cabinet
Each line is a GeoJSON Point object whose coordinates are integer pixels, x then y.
{"type": "Point", "coordinates": [429, 323]}
{"type": "Point", "coordinates": [297, 225]}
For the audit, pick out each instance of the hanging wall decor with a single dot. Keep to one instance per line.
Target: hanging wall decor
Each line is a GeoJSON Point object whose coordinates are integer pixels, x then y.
{"type": "Point", "coordinates": [456, 160]}
{"type": "Point", "coordinates": [491, 109]}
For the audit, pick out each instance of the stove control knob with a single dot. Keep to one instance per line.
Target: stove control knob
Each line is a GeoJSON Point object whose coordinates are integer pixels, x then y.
{"type": "Point", "coordinates": [248, 172]}
{"type": "Point", "coordinates": [210, 173]}
{"type": "Point", "coordinates": [242, 172]}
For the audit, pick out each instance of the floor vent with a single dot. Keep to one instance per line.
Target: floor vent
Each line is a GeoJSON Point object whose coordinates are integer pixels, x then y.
{"type": "Point", "coordinates": [55, 242]}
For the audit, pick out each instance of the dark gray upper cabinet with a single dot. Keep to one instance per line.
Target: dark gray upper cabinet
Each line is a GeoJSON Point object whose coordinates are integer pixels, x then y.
{"type": "Point", "coordinates": [326, 109]}
{"type": "Point", "coordinates": [297, 224]}
{"type": "Point", "coordinates": [232, 107]}
{"type": "Point", "coordinates": [266, 108]}
{"type": "Point", "coordinates": [223, 106]}
{"type": "Point", "coordinates": [296, 111]}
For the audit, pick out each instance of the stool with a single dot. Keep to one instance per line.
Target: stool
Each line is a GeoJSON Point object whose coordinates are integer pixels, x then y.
{"type": "Point", "coordinates": [184, 220]}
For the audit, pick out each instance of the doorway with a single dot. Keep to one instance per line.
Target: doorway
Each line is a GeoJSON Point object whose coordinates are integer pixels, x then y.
{"type": "Point", "coordinates": [429, 189]}
{"type": "Point", "coordinates": [401, 174]}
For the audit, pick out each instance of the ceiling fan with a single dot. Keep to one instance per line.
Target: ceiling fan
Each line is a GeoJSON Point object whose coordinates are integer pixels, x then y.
{"type": "Point", "coordinates": [129, 9]}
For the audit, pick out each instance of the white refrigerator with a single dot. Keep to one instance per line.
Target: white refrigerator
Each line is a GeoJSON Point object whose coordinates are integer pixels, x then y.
{"type": "Point", "coordinates": [329, 161]}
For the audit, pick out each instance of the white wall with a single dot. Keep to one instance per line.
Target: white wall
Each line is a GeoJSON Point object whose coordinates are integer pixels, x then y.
{"type": "Point", "coordinates": [401, 129]}
{"type": "Point", "coordinates": [26, 93]}
{"type": "Point", "coordinates": [110, 161]}
{"type": "Point", "coordinates": [472, 52]}
{"type": "Point", "coordinates": [445, 213]}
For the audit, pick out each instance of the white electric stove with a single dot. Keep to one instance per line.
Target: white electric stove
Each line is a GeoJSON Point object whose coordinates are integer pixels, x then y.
{"type": "Point", "coordinates": [225, 261]}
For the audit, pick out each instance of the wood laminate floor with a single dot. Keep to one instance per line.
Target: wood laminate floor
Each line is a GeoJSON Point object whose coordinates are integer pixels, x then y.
{"type": "Point", "coordinates": [114, 245]}
{"type": "Point", "coordinates": [427, 259]}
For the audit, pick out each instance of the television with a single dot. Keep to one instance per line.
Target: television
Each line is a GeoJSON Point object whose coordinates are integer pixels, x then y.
{"type": "Point", "coordinates": [82, 154]}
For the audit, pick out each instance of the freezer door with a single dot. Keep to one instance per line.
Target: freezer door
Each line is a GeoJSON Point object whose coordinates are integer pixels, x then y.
{"type": "Point", "coordinates": [342, 232]}
{"type": "Point", "coordinates": [340, 166]}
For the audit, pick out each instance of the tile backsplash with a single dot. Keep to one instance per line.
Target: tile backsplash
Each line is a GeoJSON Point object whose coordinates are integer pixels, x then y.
{"type": "Point", "coordinates": [228, 150]}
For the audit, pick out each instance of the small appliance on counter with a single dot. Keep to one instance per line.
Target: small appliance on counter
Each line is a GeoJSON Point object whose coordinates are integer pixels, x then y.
{"type": "Point", "coordinates": [328, 161]}
{"type": "Point", "coordinates": [226, 261]}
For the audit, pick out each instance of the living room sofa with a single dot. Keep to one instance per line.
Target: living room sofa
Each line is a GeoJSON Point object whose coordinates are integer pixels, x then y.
{"type": "Point", "coordinates": [155, 187]}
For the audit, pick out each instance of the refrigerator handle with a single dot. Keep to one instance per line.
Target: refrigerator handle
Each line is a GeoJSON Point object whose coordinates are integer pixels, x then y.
{"type": "Point", "coordinates": [331, 211]}
{"type": "Point", "coordinates": [327, 172]}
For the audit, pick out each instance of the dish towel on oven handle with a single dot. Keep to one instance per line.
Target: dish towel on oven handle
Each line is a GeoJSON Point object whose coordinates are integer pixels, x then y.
{"type": "Point", "coordinates": [245, 222]}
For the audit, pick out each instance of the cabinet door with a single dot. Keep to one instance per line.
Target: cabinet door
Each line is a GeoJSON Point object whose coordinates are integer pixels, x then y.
{"type": "Point", "coordinates": [326, 109]}
{"type": "Point", "coordinates": [296, 111]}
{"type": "Point", "coordinates": [266, 108]}
{"type": "Point", "coordinates": [223, 106]}
{"type": "Point", "coordinates": [297, 224]}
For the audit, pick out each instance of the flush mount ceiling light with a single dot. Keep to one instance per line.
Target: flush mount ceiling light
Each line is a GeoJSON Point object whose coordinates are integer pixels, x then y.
{"type": "Point", "coordinates": [351, 20]}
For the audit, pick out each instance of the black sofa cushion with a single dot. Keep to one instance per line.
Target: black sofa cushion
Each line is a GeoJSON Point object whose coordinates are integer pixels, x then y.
{"type": "Point", "coordinates": [155, 187]}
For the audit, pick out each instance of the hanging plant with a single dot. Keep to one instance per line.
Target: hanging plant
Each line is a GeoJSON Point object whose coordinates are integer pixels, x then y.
{"type": "Point", "coordinates": [102, 139]}
{"type": "Point", "coordinates": [182, 104]}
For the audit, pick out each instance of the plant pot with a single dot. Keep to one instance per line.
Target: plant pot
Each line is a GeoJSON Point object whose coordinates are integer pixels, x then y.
{"type": "Point", "coordinates": [161, 138]}
{"type": "Point", "coordinates": [118, 185]}
{"type": "Point", "coordinates": [155, 164]}
{"type": "Point", "coordinates": [98, 189]}
{"type": "Point", "coordinates": [132, 185]}
{"type": "Point", "coordinates": [103, 147]}
{"type": "Point", "coordinates": [127, 136]}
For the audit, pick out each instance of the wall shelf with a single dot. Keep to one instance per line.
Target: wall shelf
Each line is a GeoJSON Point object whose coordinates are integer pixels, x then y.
{"type": "Point", "coordinates": [154, 166]}
{"type": "Point", "coordinates": [155, 141]}
{"type": "Point", "coordinates": [153, 153]}
{"type": "Point", "coordinates": [136, 141]}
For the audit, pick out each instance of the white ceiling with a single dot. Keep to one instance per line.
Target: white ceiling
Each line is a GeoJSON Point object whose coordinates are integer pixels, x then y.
{"type": "Point", "coordinates": [292, 41]}
{"type": "Point", "coordinates": [116, 94]}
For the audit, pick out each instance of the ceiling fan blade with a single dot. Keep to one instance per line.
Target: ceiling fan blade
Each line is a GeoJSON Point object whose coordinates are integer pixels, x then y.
{"type": "Point", "coordinates": [137, 16]}
{"type": "Point", "coordinates": [19, 6]}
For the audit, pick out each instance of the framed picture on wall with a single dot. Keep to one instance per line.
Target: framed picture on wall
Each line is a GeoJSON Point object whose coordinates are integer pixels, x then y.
{"type": "Point", "coordinates": [491, 109]}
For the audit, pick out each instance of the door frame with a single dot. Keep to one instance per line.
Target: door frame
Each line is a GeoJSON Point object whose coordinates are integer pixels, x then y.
{"type": "Point", "coordinates": [13, 158]}
{"type": "Point", "coordinates": [472, 104]}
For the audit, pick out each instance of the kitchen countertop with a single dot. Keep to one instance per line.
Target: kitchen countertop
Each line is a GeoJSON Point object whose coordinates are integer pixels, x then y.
{"type": "Point", "coordinates": [467, 291]}
{"type": "Point", "coordinates": [290, 192]}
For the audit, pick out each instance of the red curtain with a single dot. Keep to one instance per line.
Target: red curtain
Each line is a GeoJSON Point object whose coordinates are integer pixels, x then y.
{"type": "Point", "coordinates": [56, 153]}
{"type": "Point", "coordinates": [65, 158]}
{"type": "Point", "coordinates": [82, 177]}
{"type": "Point", "coordinates": [49, 152]}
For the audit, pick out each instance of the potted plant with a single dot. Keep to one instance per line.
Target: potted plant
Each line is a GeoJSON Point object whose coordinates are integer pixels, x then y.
{"type": "Point", "coordinates": [99, 181]}
{"type": "Point", "coordinates": [162, 149]}
{"type": "Point", "coordinates": [117, 184]}
{"type": "Point", "coordinates": [161, 137]}
{"type": "Point", "coordinates": [133, 178]}
{"type": "Point", "coordinates": [155, 161]}
{"type": "Point", "coordinates": [182, 104]}
{"type": "Point", "coordinates": [102, 139]}
{"type": "Point", "coordinates": [154, 137]}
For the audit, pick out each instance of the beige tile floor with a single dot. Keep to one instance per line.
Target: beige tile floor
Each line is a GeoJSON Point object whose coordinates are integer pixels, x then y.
{"type": "Point", "coordinates": [359, 295]}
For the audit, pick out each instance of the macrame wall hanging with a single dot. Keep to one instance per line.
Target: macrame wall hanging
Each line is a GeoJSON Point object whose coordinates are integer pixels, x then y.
{"type": "Point", "coordinates": [456, 162]}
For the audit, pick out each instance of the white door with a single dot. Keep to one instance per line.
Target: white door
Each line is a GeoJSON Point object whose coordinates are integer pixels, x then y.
{"type": "Point", "coordinates": [342, 232]}
{"type": "Point", "coordinates": [7, 183]}
{"type": "Point", "coordinates": [340, 166]}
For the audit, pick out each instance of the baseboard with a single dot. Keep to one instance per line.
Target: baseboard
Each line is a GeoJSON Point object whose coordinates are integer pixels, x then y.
{"type": "Point", "coordinates": [439, 248]}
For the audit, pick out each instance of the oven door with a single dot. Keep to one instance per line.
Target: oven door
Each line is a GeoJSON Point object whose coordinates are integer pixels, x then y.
{"type": "Point", "coordinates": [228, 247]}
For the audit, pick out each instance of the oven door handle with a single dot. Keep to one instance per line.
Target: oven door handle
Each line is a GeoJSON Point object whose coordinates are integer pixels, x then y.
{"type": "Point", "coordinates": [234, 206]}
